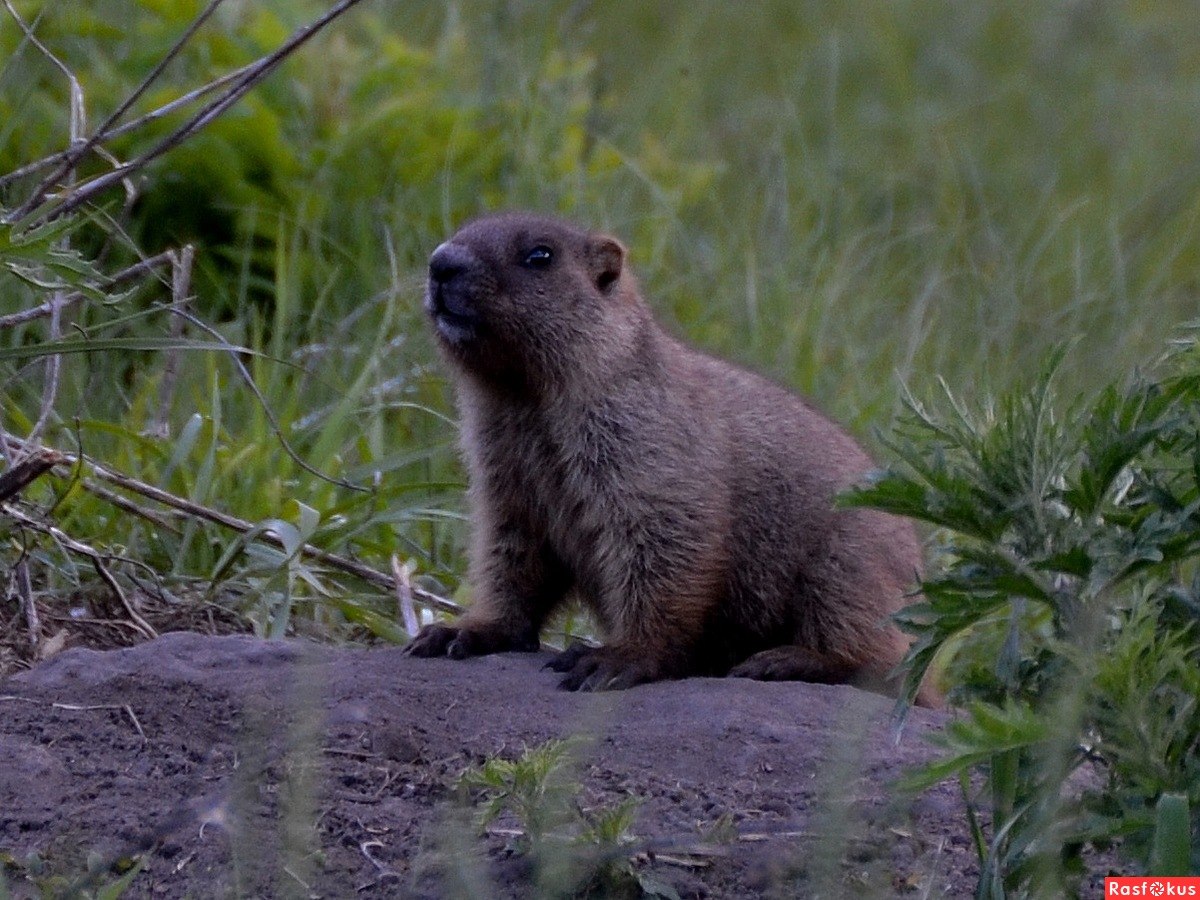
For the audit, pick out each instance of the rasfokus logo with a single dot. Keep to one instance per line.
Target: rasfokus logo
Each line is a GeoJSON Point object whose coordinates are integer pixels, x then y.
{"type": "Point", "coordinates": [1151, 886]}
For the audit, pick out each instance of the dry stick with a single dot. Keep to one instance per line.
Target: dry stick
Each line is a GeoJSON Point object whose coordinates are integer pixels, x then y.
{"type": "Point", "coordinates": [254, 74]}
{"type": "Point", "coordinates": [53, 371]}
{"type": "Point", "coordinates": [404, 596]}
{"type": "Point", "coordinates": [196, 510]}
{"type": "Point", "coordinates": [181, 281]}
{"type": "Point", "coordinates": [78, 151]}
{"type": "Point", "coordinates": [122, 277]}
{"type": "Point", "coordinates": [97, 559]}
{"type": "Point", "coordinates": [75, 707]}
{"type": "Point", "coordinates": [154, 115]}
{"type": "Point", "coordinates": [16, 478]}
{"type": "Point", "coordinates": [78, 124]}
{"type": "Point", "coordinates": [119, 593]}
{"type": "Point", "coordinates": [124, 503]}
{"type": "Point", "coordinates": [28, 606]}
{"type": "Point", "coordinates": [77, 110]}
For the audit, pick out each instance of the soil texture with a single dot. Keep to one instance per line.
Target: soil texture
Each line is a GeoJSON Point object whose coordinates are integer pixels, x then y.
{"type": "Point", "coordinates": [232, 766]}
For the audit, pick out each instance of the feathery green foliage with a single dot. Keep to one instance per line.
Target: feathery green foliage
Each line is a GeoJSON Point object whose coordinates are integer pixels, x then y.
{"type": "Point", "coordinates": [1063, 610]}
{"type": "Point", "coordinates": [577, 852]}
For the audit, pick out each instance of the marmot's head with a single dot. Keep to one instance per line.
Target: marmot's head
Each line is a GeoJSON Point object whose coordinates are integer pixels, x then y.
{"type": "Point", "coordinates": [532, 301]}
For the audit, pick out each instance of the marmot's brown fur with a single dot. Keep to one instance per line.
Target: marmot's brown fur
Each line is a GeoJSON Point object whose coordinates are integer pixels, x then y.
{"type": "Point", "coordinates": [689, 504]}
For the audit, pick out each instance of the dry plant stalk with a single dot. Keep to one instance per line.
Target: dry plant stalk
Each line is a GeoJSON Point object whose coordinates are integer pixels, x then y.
{"type": "Point", "coordinates": [238, 87]}
{"type": "Point", "coordinates": [119, 279]}
{"type": "Point", "coordinates": [181, 282]}
{"type": "Point", "coordinates": [207, 514]}
{"type": "Point", "coordinates": [15, 479]}
{"type": "Point", "coordinates": [404, 596]}
{"type": "Point", "coordinates": [57, 195]}
{"type": "Point", "coordinates": [97, 558]}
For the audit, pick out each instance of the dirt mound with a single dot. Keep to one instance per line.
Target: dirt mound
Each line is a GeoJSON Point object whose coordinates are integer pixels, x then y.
{"type": "Point", "coordinates": [220, 754]}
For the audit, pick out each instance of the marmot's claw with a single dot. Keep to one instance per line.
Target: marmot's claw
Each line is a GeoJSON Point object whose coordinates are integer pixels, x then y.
{"type": "Point", "coordinates": [458, 642]}
{"type": "Point", "coordinates": [599, 669]}
{"type": "Point", "coordinates": [433, 640]}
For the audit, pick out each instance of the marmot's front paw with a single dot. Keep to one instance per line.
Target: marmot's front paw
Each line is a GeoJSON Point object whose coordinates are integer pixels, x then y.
{"type": "Point", "coordinates": [432, 640]}
{"type": "Point", "coordinates": [601, 669]}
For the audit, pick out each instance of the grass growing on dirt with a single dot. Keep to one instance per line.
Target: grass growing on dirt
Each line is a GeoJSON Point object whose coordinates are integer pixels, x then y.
{"type": "Point", "coordinates": [573, 851]}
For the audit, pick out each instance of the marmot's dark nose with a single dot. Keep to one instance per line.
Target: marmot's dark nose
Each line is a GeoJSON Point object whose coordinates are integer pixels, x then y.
{"type": "Point", "coordinates": [448, 262]}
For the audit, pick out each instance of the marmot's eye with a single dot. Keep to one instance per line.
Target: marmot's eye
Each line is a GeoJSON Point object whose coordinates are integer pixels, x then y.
{"type": "Point", "coordinates": [539, 257]}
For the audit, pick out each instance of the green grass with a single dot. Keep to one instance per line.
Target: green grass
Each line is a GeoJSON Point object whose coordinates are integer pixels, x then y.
{"type": "Point", "coordinates": [845, 197]}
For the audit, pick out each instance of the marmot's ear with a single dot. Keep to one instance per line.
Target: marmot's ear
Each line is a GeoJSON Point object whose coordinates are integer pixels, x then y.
{"type": "Point", "coordinates": [606, 258]}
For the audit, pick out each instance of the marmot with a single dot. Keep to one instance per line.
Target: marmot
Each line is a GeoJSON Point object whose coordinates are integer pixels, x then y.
{"type": "Point", "coordinates": [688, 503]}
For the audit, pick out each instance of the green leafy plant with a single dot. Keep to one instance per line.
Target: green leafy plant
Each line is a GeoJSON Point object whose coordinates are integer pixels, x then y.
{"type": "Point", "coordinates": [576, 851]}
{"type": "Point", "coordinates": [100, 878]}
{"type": "Point", "coordinates": [1063, 610]}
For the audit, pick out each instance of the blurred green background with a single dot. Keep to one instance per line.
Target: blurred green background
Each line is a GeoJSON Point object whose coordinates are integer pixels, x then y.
{"type": "Point", "coordinates": [847, 197]}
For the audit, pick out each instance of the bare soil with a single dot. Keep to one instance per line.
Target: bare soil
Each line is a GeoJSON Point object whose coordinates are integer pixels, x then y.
{"type": "Point", "coordinates": [213, 757]}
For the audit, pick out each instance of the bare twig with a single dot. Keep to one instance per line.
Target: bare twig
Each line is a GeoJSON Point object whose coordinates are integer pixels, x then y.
{"type": "Point", "coordinates": [16, 478]}
{"type": "Point", "coordinates": [181, 281]}
{"type": "Point", "coordinates": [404, 596]}
{"type": "Point", "coordinates": [134, 719]}
{"type": "Point", "coordinates": [115, 624]}
{"type": "Point", "coordinates": [97, 559]}
{"type": "Point", "coordinates": [78, 124]}
{"type": "Point", "coordinates": [79, 707]}
{"type": "Point", "coordinates": [240, 87]}
{"type": "Point", "coordinates": [81, 149]}
{"type": "Point", "coordinates": [115, 586]}
{"type": "Point", "coordinates": [117, 280]}
{"type": "Point", "coordinates": [103, 136]}
{"type": "Point", "coordinates": [24, 586]}
{"type": "Point", "coordinates": [198, 511]}
{"type": "Point", "coordinates": [53, 370]}
{"type": "Point", "coordinates": [125, 504]}
{"type": "Point", "coordinates": [40, 312]}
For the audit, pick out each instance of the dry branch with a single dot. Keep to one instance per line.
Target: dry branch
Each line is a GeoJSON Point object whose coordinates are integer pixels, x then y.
{"type": "Point", "coordinates": [17, 478]}
{"type": "Point", "coordinates": [253, 75]}
{"type": "Point", "coordinates": [404, 596]}
{"type": "Point", "coordinates": [24, 589]}
{"type": "Point", "coordinates": [198, 511]}
{"type": "Point", "coordinates": [117, 280]}
{"type": "Point", "coordinates": [78, 124]}
{"type": "Point", "coordinates": [103, 136]}
{"type": "Point", "coordinates": [80, 149]}
{"type": "Point", "coordinates": [121, 502]}
{"type": "Point", "coordinates": [95, 556]}
{"type": "Point", "coordinates": [181, 281]}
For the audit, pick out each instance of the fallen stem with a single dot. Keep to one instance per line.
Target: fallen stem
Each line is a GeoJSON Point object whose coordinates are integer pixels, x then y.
{"type": "Point", "coordinates": [154, 115]}
{"type": "Point", "coordinates": [256, 73]}
{"type": "Point", "coordinates": [234, 523]}
{"type": "Point", "coordinates": [76, 153]}
{"type": "Point", "coordinates": [122, 277]}
{"type": "Point", "coordinates": [20, 476]}
{"type": "Point", "coordinates": [97, 559]}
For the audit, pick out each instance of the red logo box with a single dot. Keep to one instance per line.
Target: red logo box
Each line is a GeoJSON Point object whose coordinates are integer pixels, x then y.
{"type": "Point", "coordinates": [1152, 886]}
